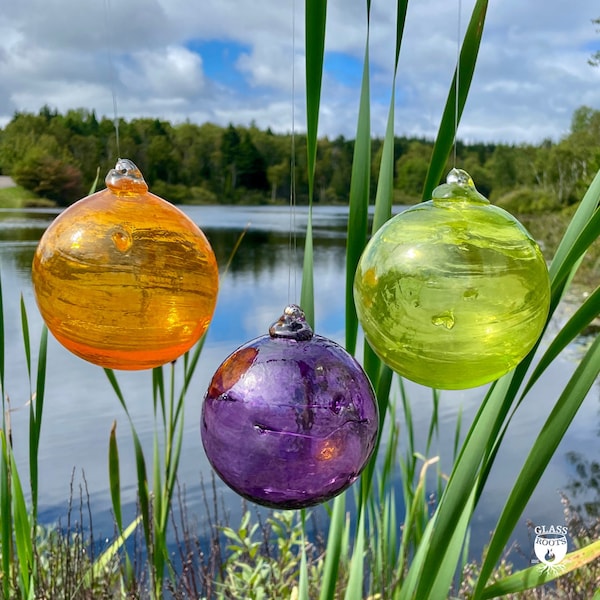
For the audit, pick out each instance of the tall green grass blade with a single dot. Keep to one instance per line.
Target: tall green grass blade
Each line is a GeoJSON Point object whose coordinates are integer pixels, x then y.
{"type": "Point", "coordinates": [26, 341]}
{"type": "Point", "coordinates": [35, 422]}
{"type": "Point", "coordinates": [315, 19]}
{"type": "Point", "coordinates": [100, 564]}
{"type": "Point", "coordinates": [191, 364]}
{"type": "Point", "coordinates": [307, 292]}
{"type": "Point", "coordinates": [434, 420]}
{"type": "Point", "coordinates": [358, 211]}
{"type": "Point", "coordinates": [303, 586]}
{"type": "Point", "coordinates": [2, 346]}
{"type": "Point", "coordinates": [95, 182]}
{"type": "Point", "coordinates": [22, 531]}
{"type": "Point", "coordinates": [456, 497]}
{"type": "Point", "coordinates": [158, 394]}
{"type": "Point", "coordinates": [140, 463]}
{"type": "Point", "coordinates": [457, 431]}
{"type": "Point", "coordinates": [587, 235]}
{"type": "Point", "coordinates": [544, 447]}
{"type": "Point", "coordinates": [354, 589]}
{"type": "Point", "coordinates": [465, 69]}
{"type": "Point", "coordinates": [384, 196]}
{"type": "Point", "coordinates": [561, 272]}
{"type": "Point", "coordinates": [172, 469]}
{"type": "Point", "coordinates": [585, 210]}
{"type": "Point", "coordinates": [385, 181]}
{"type": "Point", "coordinates": [110, 374]}
{"type": "Point", "coordinates": [537, 575]}
{"type": "Point", "coordinates": [114, 476]}
{"type": "Point", "coordinates": [157, 503]}
{"type": "Point", "coordinates": [142, 487]}
{"type": "Point", "coordinates": [6, 522]}
{"type": "Point", "coordinates": [582, 317]}
{"type": "Point", "coordinates": [382, 393]}
{"type": "Point", "coordinates": [334, 548]}
{"type": "Point", "coordinates": [453, 548]}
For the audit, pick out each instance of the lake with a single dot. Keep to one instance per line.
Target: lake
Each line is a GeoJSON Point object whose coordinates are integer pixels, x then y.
{"type": "Point", "coordinates": [263, 277]}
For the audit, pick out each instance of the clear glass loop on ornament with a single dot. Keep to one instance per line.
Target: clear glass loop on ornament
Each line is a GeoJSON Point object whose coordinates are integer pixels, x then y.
{"type": "Point", "coordinates": [125, 178]}
{"type": "Point", "coordinates": [292, 324]}
{"type": "Point", "coordinates": [459, 187]}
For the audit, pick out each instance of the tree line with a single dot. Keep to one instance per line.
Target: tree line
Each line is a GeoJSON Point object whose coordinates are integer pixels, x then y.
{"type": "Point", "coordinates": [57, 156]}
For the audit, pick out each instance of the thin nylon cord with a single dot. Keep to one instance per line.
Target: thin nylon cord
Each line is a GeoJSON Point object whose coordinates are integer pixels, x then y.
{"type": "Point", "coordinates": [457, 81]}
{"type": "Point", "coordinates": [292, 244]}
{"type": "Point", "coordinates": [112, 70]}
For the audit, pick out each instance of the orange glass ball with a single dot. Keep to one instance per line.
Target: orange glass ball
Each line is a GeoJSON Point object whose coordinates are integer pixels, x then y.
{"type": "Point", "coordinates": [123, 278]}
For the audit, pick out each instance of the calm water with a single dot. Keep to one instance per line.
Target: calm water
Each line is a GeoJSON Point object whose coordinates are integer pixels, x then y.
{"type": "Point", "coordinates": [80, 405]}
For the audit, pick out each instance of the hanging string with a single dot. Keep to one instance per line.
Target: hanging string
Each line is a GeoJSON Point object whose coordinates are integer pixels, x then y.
{"type": "Point", "coordinates": [112, 72]}
{"type": "Point", "coordinates": [457, 82]}
{"type": "Point", "coordinates": [292, 242]}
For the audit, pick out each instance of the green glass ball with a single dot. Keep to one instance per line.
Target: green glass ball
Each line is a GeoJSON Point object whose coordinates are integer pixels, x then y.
{"type": "Point", "coordinates": [454, 292]}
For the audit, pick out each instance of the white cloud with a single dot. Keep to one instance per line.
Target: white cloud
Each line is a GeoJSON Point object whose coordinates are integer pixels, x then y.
{"type": "Point", "coordinates": [532, 71]}
{"type": "Point", "coordinates": [172, 72]}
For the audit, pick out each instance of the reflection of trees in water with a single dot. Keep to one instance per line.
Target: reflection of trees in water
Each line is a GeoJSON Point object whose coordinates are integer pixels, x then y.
{"type": "Point", "coordinates": [584, 487]}
{"type": "Point", "coordinates": [262, 251]}
{"type": "Point", "coordinates": [18, 259]}
{"type": "Point", "coordinates": [19, 235]}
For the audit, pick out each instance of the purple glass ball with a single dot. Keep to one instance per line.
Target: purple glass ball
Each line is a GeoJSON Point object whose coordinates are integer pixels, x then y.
{"type": "Point", "coordinates": [290, 418]}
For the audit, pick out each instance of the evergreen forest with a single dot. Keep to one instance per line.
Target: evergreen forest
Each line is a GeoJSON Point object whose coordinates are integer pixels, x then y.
{"type": "Point", "coordinates": [57, 157]}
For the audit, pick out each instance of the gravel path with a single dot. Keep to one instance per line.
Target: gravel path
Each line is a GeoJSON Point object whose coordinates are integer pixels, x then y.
{"type": "Point", "coordinates": [6, 182]}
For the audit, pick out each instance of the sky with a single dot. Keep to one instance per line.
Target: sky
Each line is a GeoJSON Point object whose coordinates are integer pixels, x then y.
{"type": "Point", "coordinates": [242, 62]}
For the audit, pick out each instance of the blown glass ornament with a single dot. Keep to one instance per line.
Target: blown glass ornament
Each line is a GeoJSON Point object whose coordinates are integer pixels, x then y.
{"type": "Point", "coordinates": [454, 292]}
{"type": "Point", "coordinates": [290, 418]}
{"type": "Point", "coordinates": [123, 278]}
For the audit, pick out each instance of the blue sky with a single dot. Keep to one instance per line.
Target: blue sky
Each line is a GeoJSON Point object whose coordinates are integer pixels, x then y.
{"type": "Point", "coordinates": [231, 61]}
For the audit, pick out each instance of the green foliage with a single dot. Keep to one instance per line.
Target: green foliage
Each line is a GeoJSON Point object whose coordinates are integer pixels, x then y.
{"type": "Point", "coordinates": [57, 156]}
{"type": "Point", "coordinates": [46, 175]}
{"type": "Point", "coordinates": [18, 197]}
{"type": "Point", "coordinates": [527, 199]}
{"type": "Point", "coordinates": [264, 563]}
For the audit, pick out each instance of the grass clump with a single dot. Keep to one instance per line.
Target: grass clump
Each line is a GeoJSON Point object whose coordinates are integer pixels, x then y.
{"type": "Point", "coordinates": [19, 197]}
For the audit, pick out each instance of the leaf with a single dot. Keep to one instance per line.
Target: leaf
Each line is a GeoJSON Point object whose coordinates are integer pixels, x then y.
{"type": "Point", "coordinates": [537, 575]}
{"type": "Point", "coordinates": [582, 317]}
{"type": "Point", "coordinates": [457, 497]}
{"type": "Point", "coordinates": [26, 341]}
{"type": "Point", "coordinates": [1, 345]}
{"type": "Point", "coordinates": [586, 236]}
{"type": "Point", "coordinates": [463, 75]}
{"type": "Point", "coordinates": [307, 293]}
{"type": "Point", "coordinates": [585, 210]}
{"type": "Point", "coordinates": [540, 454]}
{"type": "Point", "coordinates": [95, 182]}
{"type": "Point", "coordinates": [303, 588]}
{"type": "Point", "coordinates": [22, 529]}
{"type": "Point", "coordinates": [100, 564]}
{"type": "Point", "coordinates": [315, 19]}
{"type": "Point", "coordinates": [6, 515]}
{"type": "Point", "coordinates": [334, 548]}
{"type": "Point", "coordinates": [114, 475]}
{"type": "Point", "coordinates": [354, 589]}
{"type": "Point", "coordinates": [359, 202]}
{"type": "Point", "coordinates": [35, 422]}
